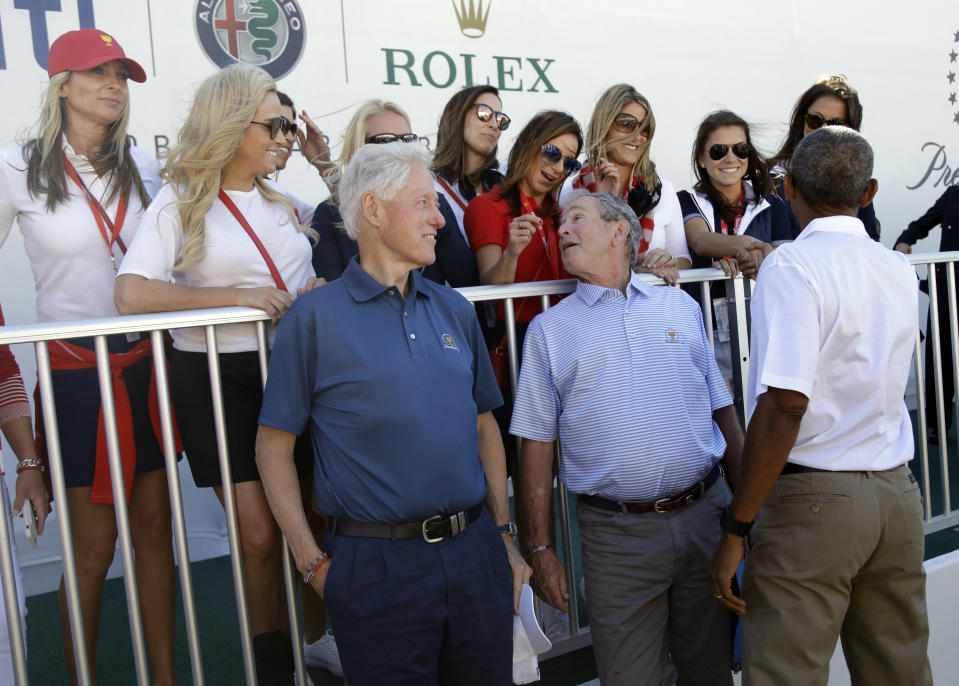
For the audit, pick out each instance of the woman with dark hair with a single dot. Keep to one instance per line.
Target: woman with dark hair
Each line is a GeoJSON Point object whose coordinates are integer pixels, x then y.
{"type": "Point", "coordinates": [465, 161]}
{"type": "Point", "coordinates": [502, 224]}
{"type": "Point", "coordinates": [831, 101]}
{"type": "Point", "coordinates": [218, 235]}
{"type": "Point", "coordinates": [617, 149]}
{"type": "Point", "coordinates": [732, 215]}
{"type": "Point", "coordinates": [77, 190]}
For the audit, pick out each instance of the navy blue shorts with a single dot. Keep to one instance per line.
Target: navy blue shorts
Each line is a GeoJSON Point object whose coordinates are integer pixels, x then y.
{"type": "Point", "coordinates": [412, 612]}
{"type": "Point", "coordinates": [76, 395]}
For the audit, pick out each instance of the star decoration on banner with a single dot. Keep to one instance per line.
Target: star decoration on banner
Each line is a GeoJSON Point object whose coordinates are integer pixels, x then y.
{"type": "Point", "coordinates": [951, 77]}
{"type": "Point", "coordinates": [952, 56]}
{"type": "Point", "coordinates": [952, 98]}
{"type": "Point", "coordinates": [956, 118]}
{"type": "Point", "coordinates": [955, 38]}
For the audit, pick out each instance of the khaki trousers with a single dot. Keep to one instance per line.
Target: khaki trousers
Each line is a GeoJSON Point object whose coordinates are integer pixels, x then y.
{"type": "Point", "coordinates": [648, 592]}
{"type": "Point", "coordinates": [837, 555]}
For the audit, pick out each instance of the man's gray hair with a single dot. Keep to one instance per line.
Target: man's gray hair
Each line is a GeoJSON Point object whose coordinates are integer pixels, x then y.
{"type": "Point", "coordinates": [381, 169]}
{"type": "Point", "coordinates": [612, 208]}
{"type": "Point", "coordinates": [831, 167]}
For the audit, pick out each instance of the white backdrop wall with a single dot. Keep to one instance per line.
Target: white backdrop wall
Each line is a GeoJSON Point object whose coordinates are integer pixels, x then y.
{"type": "Point", "coordinates": [687, 56]}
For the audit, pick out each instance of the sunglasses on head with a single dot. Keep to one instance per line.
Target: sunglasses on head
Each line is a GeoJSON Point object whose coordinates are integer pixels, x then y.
{"type": "Point", "coordinates": [393, 137]}
{"type": "Point", "coordinates": [277, 124]}
{"type": "Point", "coordinates": [627, 123]}
{"type": "Point", "coordinates": [717, 151]}
{"type": "Point", "coordinates": [815, 121]}
{"type": "Point", "coordinates": [551, 154]}
{"type": "Point", "coordinates": [484, 113]}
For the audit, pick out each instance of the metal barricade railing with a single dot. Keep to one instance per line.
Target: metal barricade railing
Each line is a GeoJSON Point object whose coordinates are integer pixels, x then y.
{"type": "Point", "coordinates": [157, 324]}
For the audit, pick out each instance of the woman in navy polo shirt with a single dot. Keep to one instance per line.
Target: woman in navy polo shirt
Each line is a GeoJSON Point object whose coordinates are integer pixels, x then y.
{"type": "Point", "coordinates": [829, 101]}
{"type": "Point", "coordinates": [732, 214]}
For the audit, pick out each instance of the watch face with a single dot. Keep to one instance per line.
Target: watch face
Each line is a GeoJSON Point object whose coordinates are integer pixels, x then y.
{"type": "Point", "coordinates": [508, 527]}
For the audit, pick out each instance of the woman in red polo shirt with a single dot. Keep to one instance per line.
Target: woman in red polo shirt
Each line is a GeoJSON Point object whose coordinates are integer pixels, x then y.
{"type": "Point", "coordinates": [512, 229]}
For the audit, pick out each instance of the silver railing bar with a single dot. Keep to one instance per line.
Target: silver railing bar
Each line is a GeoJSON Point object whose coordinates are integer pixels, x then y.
{"type": "Point", "coordinates": [11, 601]}
{"type": "Point", "coordinates": [921, 418]}
{"type": "Point", "coordinates": [57, 479]}
{"type": "Point", "coordinates": [953, 337]}
{"type": "Point", "coordinates": [937, 367]}
{"type": "Point", "coordinates": [289, 575]}
{"type": "Point", "coordinates": [741, 363]}
{"type": "Point", "coordinates": [229, 505]}
{"type": "Point", "coordinates": [706, 301]}
{"type": "Point", "coordinates": [176, 507]}
{"type": "Point", "coordinates": [108, 410]}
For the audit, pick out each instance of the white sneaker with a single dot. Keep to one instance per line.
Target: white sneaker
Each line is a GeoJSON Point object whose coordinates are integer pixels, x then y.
{"type": "Point", "coordinates": [323, 653]}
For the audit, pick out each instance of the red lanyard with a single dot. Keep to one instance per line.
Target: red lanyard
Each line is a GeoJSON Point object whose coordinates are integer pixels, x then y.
{"type": "Point", "coordinates": [100, 215]}
{"type": "Point", "coordinates": [453, 194]}
{"type": "Point", "coordinates": [527, 208]}
{"type": "Point", "coordinates": [739, 215]}
{"type": "Point", "coordinates": [274, 272]}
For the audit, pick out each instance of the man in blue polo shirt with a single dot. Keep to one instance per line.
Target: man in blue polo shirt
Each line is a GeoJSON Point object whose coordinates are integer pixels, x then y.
{"type": "Point", "coordinates": [390, 373]}
{"type": "Point", "coordinates": [623, 374]}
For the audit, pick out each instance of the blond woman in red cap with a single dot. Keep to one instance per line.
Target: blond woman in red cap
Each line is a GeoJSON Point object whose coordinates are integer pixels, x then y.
{"type": "Point", "coordinates": [77, 190]}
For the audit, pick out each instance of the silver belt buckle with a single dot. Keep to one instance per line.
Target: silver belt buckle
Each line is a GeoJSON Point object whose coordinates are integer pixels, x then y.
{"type": "Point", "coordinates": [426, 537]}
{"type": "Point", "coordinates": [657, 503]}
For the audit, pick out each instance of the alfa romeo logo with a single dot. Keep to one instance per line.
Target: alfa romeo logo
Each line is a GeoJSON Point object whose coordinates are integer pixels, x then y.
{"type": "Point", "coordinates": [267, 33]}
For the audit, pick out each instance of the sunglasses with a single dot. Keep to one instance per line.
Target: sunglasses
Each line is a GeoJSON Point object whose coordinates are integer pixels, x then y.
{"type": "Point", "coordinates": [627, 123]}
{"type": "Point", "coordinates": [484, 113]}
{"type": "Point", "coordinates": [551, 155]}
{"type": "Point", "coordinates": [717, 151]}
{"type": "Point", "coordinates": [815, 121]}
{"type": "Point", "coordinates": [277, 124]}
{"type": "Point", "coordinates": [393, 137]}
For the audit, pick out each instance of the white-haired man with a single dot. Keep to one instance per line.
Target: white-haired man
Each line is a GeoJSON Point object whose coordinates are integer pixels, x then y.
{"type": "Point", "coordinates": [623, 373]}
{"type": "Point", "coordinates": [389, 372]}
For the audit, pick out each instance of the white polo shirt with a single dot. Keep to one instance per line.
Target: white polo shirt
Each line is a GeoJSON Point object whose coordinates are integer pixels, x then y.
{"type": "Point", "coordinates": [834, 317]}
{"type": "Point", "coordinates": [71, 264]}
{"type": "Point", "coordinates": [230, 259]}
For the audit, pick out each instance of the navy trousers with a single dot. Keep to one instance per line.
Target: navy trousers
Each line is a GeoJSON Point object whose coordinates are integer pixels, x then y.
{"type": "Point", "coordinates": [412, 612]}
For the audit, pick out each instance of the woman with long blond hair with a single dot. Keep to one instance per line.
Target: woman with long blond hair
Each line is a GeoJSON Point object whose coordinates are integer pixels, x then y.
{"type": "Point", "coordinates": [375, 122]}
{"type": "Point", "coordinates": [217, 235]}
{"type": "Point", "coordinates": [618, 141]}
{"type": "Point", "coordinates": [77, 190]}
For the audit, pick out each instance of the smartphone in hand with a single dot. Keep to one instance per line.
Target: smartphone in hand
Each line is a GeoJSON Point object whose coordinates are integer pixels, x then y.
{"type": "Point", "coordinates": [29, 522]}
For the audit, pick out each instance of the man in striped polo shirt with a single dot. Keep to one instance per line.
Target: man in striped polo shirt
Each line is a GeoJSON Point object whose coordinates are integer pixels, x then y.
{"type": "Point", "coordinates": [623, 373]}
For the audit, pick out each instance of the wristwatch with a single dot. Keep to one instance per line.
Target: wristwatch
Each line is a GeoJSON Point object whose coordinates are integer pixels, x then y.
{"type": "Point", "coordinates": [733, 526]}
{"type": "Point", "coordinates": [508, 527]}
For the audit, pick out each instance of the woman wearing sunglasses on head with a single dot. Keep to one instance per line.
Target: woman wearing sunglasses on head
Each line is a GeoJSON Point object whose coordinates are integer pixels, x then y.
{"type": "Point", "coordinates": [217, 235]}
{"type": "Point", "coordinates": [830, 101]}
{"type": "Point", "coordinates": [732, 215]}
{"type": "Point", "coordinates": [465, 161]}
{"type": "Point", "coordinates": [377, 122]}
{"type": "Point", "coordinates": [77, 190]}
{"type": "Point", "coordinates": [617, 147]}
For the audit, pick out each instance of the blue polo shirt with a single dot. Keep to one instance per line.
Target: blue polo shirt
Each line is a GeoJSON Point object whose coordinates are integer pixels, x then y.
{"type": "Point", "coordinates": [391, 390]}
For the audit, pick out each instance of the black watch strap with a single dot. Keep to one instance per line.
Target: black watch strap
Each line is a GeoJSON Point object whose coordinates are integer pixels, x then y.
{"type": "Point", "coordinates": [733, 526]}
{"type": "Point", "coordinates": [508, 527]}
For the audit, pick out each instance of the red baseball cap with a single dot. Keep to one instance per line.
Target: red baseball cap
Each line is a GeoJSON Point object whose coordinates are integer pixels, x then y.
{"type": "Point", "coordinates": [88, 48]}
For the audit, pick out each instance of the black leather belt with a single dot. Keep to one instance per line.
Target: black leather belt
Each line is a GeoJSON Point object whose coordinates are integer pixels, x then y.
{"type": "Point", "coordinates": [432, 529]}
{"type": "Point", "coordinates": [662, 505]}
{"type": "Point", "coordinates": [793, 468]}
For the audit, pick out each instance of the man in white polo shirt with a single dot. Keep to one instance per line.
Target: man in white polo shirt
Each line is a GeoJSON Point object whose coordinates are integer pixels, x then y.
{"type": "Point", "coordinates": [623, 373]}
{"type": "Point", "coordinates": [837, 546]}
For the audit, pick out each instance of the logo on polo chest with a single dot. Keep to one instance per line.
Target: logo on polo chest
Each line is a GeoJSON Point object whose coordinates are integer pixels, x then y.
{"type": "Point", "coordinates": [448, 343]}
{"type": "Point", "coordinates": [672, 336]}
{"type": "Point", "coordinates": [266, 33]}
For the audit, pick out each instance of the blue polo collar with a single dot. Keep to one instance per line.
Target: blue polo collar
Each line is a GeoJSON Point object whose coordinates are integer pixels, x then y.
{"type": "Point", "coordinates": [363, 287]}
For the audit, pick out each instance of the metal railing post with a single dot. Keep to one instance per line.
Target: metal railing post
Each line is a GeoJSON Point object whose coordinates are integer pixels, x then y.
{"type": "Point", "coordinates": [176, 506]}
{"type": "Point", "coordinates": [11, 600]}
{"type": "Point", "coordinates": [229, 506]}
{"type": "Point", "coordinates": [55, 462]}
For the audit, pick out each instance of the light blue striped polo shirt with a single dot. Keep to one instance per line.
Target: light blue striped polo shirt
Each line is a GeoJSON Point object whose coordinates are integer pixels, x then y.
{"type": "Point", "coordinates": [630, 384]}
